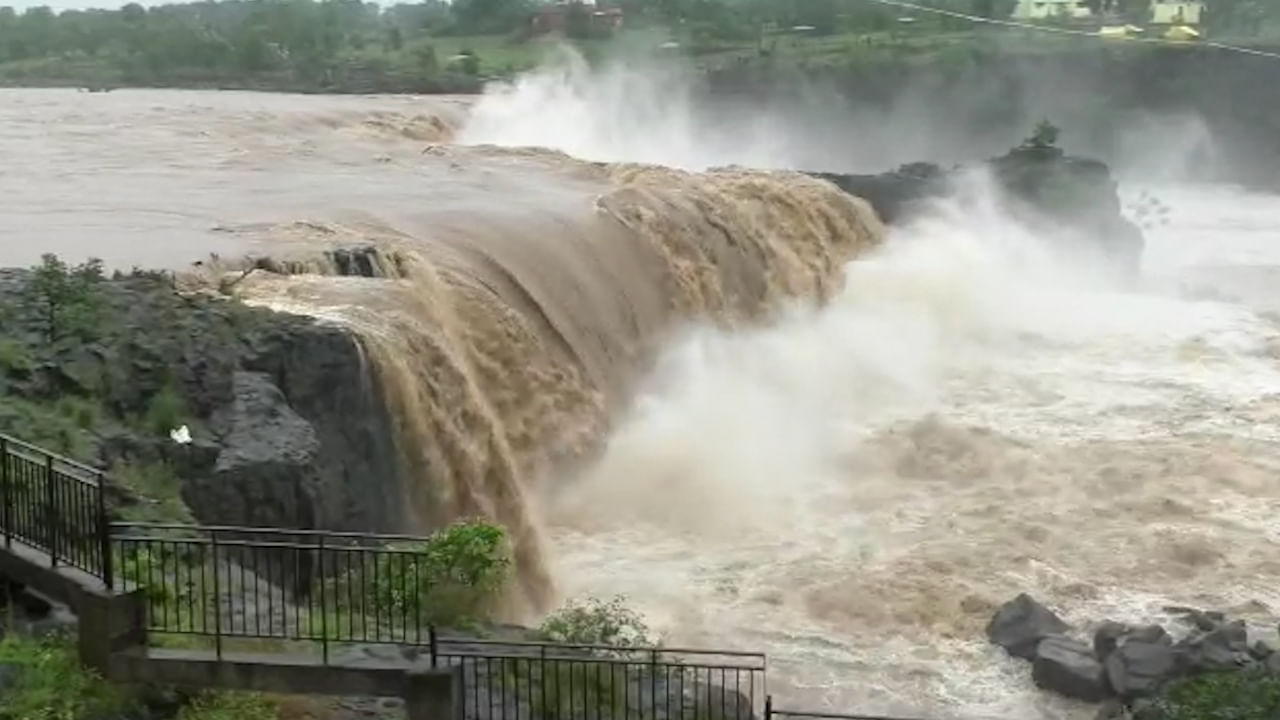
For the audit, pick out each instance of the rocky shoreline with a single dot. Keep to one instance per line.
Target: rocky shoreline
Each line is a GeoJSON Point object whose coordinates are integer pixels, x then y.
{"type": "Point", "coordinates": [1131, 669]}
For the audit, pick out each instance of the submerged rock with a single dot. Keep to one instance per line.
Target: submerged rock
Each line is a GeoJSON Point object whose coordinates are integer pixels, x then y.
{"type": "Point", "coordinates": [1020, 624]}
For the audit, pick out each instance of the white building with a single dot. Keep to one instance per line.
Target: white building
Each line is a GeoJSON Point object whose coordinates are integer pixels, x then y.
{"type": "Point", "coordinates": [1177, 12]}
{"type": "Point", "coordinates": [1051, 9]}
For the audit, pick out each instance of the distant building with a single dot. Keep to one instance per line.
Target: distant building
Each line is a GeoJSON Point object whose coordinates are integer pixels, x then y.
{"type": "Point", "coordinates": [1162, 12]}
{"type": "Point", "coordinates": [1177, 12]}
{"type": "Point", "coordinates": [555, 17]}
{"type": "Point", "coordinates": [1051, 10]}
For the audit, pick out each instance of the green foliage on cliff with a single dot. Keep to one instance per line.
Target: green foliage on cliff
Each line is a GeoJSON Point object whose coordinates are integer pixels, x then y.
{"type": "Point", "coordinates": [65, 299]}
{"type": "Point", "coordinates": [1219, 696]}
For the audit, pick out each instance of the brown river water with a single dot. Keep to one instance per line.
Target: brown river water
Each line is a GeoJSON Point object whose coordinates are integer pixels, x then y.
{"type": "Point", "coordinates": [626, 364]}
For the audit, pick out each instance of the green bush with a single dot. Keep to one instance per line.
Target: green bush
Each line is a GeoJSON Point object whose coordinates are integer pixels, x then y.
{"type": "Point", "coordinates": [597, 622]}
{"type": "Point", "coordinates": [166, 411]}
{"type": "Point", "coordinates": [455, 575]}
{"type": "Point", "coordinates": [229, 706]}
{"type": "Point", "coordinates": [51, 684]}
{"type": "Point", "coordinates": [567, 686]}
{"type": "Point", "coordinates": [15, 358]}
{"type": "Point", "coordinates": [1220, 696]}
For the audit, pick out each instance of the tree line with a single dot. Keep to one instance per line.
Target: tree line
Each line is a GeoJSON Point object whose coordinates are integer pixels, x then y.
{"type": "Point", "coordinates": [364, 46]}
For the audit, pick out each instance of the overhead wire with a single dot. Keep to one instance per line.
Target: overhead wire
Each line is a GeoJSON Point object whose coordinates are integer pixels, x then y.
{"type": "Point", "coordinates": [1068, 31]}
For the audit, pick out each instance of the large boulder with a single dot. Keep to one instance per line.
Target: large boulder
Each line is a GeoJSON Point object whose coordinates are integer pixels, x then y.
{"type": "Point", "coordinates": [1020, 624]}
{"type": "Point", "coordinates": [1139, 666]}
{"type": "Point", "coordinates": [1069, 668]}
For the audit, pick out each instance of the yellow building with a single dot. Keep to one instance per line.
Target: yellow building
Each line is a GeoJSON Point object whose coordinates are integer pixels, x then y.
{"type": "Point", "coordinates": [1177, 12]}
{"type": "Point", "coordinates": [1051, 9]}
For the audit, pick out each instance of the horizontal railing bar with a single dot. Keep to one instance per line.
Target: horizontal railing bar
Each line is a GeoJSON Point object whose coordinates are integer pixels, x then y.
{"type": "Point", "coordinates": [42, 454]}
{"type": "Point", "coordinates": [837, 716]}
{"type": "Point", "coordinates": [356, 639]}
{"type": "Point", "coordinates": [594, 660]}
{"type": "Point", "coordinates": [614, 648]}
{"type": "Point", "coordinates": [266, 531]}
{"type": "Point", "coordinates": [261, 545]}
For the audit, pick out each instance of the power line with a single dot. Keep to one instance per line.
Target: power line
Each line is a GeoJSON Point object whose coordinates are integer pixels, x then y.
{"type": "Point", "coordinates": [1064, 31]}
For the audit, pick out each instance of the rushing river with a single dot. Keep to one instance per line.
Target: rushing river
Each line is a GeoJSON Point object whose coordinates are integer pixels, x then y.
{"type": "Point", "coordinates": [851, 489]}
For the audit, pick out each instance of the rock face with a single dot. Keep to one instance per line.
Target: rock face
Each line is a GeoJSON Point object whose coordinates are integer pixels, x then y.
{"type": "Point", "coordinates": [1126, 666]}
{"type": "Point", "coordinates": [288, 427]}
{"type": "Point", "coordinates": [1044, 187]}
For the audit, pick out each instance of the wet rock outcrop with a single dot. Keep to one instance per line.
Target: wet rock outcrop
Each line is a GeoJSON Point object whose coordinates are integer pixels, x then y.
{"type": "Point", "coordinates": [287, 428]}
{"type": "Point", "coordinates": [1128, 667]}
{"type": "Point", "coordinates": [1075, 200]}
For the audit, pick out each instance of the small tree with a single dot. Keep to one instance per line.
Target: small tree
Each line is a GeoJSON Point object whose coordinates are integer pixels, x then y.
{"type": "Point", "coordinates": [456, 575]}
{"type": "Point", "coordinates": [1044, 136]}
{"type": "Point", "coordinates": [65, 298]}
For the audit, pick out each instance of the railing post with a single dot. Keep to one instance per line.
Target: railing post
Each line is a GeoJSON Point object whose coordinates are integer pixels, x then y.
{"type": "Point", "coordinates": [51, 511]}
{"type": "Point", "coordinates": [324, 608]}
{"type": "Point", "coordinates": [217, 597]}
{"type": "Point", "coordinates": [653, 680]}
{"type": "Point", "coordinates": [542, 680]}
{"type": "Point", "coordinates": [431, 644]}
{"type": "Point", "coordinates": [104, 534]}
{"type": "Point", "coordinates": [768, 707]}
{"type": "Point", "coordinates": [7, 489]}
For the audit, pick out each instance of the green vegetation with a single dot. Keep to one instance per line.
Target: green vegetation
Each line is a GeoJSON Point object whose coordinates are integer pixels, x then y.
{"type": "Point", "coordinates": [439, 46]}
{"type": "Point", "coordinates": [229, 706]}
{"type": "Point", "coordinates": [566, 683]}
{"type": "Point", "coordinates": [64, 341]}
{"type": "Point", "coordinates": [597, 622]}
{"type": "Point", "coordinates": [65, 299]}
{"type": "Point", "coordinates": [51, 685]}
{"type": "Point", "coordinates": [1220, 696]}
{"type": "Point", "coordinates": [454, 576]}
{"type": "Point", "coordinates": [155, 490]}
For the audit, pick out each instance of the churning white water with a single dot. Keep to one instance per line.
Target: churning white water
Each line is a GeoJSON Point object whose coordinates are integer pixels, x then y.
{"type": "Point", "coordinates": [855, 489]}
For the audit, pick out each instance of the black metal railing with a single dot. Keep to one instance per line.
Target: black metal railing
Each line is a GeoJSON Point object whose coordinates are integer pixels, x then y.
{"type": "Point", "coordinates": [557, 681]}
{"type": "Point", "coordinates": [327, 588]}
{"type": "Point", "coordinates": [354, 596]}
{"type": "Point", "coordinates": [56, 505]}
